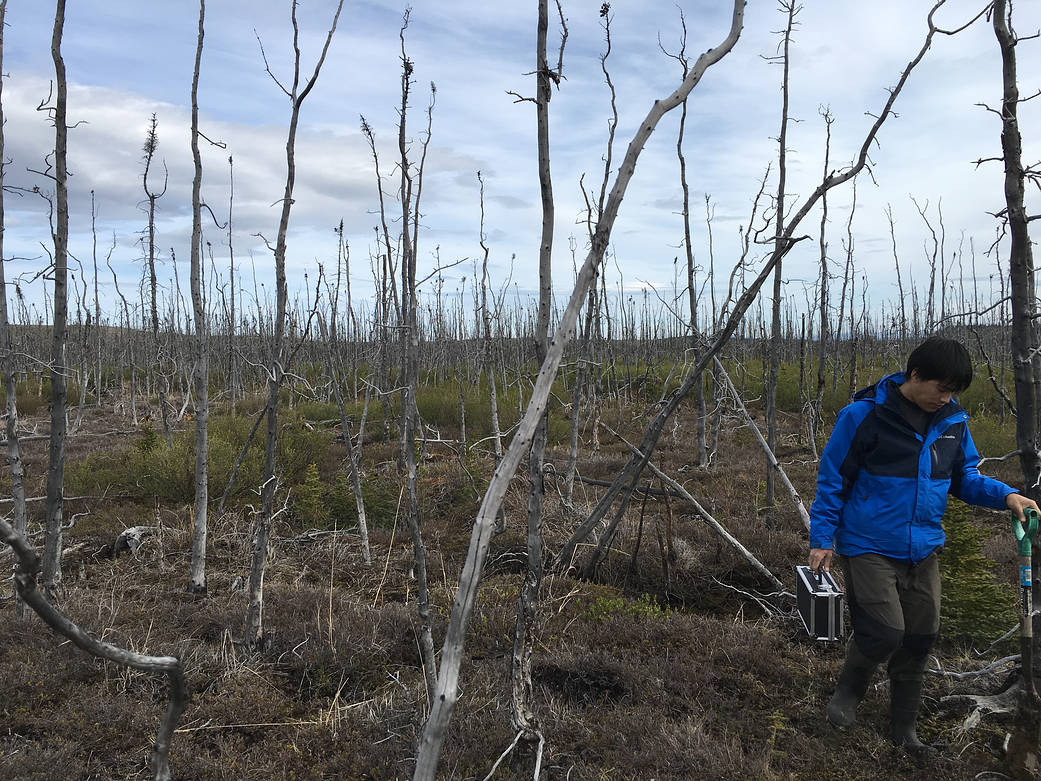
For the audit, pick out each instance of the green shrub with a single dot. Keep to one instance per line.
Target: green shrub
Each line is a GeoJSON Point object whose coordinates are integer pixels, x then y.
{"type": "Point", "coordinates": [309, 507]}
{"type": "Point", "coordinates": [379, 494]}
{"type": "Point", "coordinates": [974, 606]}
{"type": "Point", "coordinates": [149, 468]}
{"type": "Point", "coordinates": [644, 606]}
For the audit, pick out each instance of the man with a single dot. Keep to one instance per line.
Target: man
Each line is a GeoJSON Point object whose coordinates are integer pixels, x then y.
{"type": "Point", "coordinates": [894, 455]}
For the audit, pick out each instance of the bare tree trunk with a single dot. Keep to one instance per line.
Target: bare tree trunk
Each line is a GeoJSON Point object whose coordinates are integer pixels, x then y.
{"type": "Point", "coordinates": [701, 446]}
{"type": "Point", "coordinates": [234, 381]}
{"type": "Point", "coordinates": [7, 364]}
{"type": "Point", "coordinates": [823, 335]}
{"type": "Point", "coordinates": [1026, 364]}
{"type": "Point", "coordinates": [523, 715]}
{"type": "Point", "coordinates": [197, 575]}
{"type": "Point", "coordinates": [254, 629]}
{"type": "Point", "coordinates": [899, 278]}
{"type": "Point", "coordinates": [59, 372]}
{"type": "Point", "coordinates": [435, 729]}
{"type": "Point", "coordinates": [410, 365]}
{"type": "Point", "coordinates": [353, 456]}
{"type": "Point", "coordinates": [487, 355]}
{"type": "Point", "coordinates": [770, 392]}
{"type": "Point", "coordinates": [162, 380]}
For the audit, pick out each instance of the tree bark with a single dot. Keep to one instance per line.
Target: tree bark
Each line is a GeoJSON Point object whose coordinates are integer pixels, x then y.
{"type": "Point", "coordinates": [254, 629]}
{"type": "Point", "coordinates": [59, 372]}
{"type": "Point", "coordinates": [791, 9]}
{"type": "Point", "coordinates": [7, 364]}
{"type": "Point", "coordinates": [1026, 364]}
{"type": "Point", "coordinates": [435, 729]}
{"type": "Point", "coordinates": [197, 574]}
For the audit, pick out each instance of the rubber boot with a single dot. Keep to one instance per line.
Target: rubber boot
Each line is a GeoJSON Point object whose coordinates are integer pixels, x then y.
{"type": "Point", "coordinates": [905, 699]}
{"type": "Point", "coordinates": [851, 687]}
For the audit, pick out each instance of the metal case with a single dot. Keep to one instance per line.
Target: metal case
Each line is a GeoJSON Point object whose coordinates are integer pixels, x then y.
{"type": "Point", "coordinates": [819, 600]}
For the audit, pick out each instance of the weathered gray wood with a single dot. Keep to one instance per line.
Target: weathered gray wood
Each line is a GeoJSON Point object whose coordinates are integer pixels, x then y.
{"type": "Point", "coordinates": [58, 369]}
{"type": "Point", "coordinates": [429, 749]}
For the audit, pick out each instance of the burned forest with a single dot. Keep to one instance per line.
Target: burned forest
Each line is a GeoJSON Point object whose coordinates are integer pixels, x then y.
{"type": "Point", "coordinates": [432, 393]}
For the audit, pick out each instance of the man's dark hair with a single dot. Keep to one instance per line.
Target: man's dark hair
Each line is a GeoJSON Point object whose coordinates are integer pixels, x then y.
{"type": "Point", "coordinates": [942, 359]}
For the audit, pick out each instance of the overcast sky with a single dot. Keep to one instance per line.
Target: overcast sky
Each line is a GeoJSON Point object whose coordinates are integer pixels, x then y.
{"type": "Point", "coordinates": [127, 60]}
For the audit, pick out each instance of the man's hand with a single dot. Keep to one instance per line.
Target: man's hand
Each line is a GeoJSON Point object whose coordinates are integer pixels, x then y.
{"type": "Point", "coordinates": [821, 557]}
{"type": "Point", "coordinates": [1017, 503]}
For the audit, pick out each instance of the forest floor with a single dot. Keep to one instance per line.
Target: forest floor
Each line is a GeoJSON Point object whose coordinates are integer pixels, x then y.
{"type": "Point", "coordinates": [663, 667]}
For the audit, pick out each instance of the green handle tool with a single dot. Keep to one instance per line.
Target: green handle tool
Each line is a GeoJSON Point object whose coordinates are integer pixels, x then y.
{"type": "Point", "coordinates": [1026, 534]}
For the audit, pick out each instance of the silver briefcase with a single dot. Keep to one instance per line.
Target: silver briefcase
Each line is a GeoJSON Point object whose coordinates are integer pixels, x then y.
{"type": "Point", "coordinates": [819, 600]}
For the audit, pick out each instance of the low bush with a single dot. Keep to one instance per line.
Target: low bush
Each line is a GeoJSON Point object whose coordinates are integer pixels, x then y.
{"type": "Point", "coordinates": [149, 469]}
{"type": "Point", "coordinates": [975, 607]}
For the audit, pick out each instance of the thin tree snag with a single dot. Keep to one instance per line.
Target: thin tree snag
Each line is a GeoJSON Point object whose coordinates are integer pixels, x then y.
{"type": "Point", "coordinates": [770, 457]}
{"type": "Point", "coordinates": [353, 457]}
{"type": "Point", "coordinates": [522, 713]}
{"type": "Point", "coordinates": [242, 458]}
{"type": "Point", "coordinates": [197, 573]}
{"type": "Point", "coordinates": [59, 374]}
{"type": "Point", "coordinates": [715, 525]}
{"type": "Point", "coordinates": [1026, 364]}
{"type": "Point", "coordinates": [254, 628]}
{"type": "Point", "coordinates": [446, 691]}
{"type": "Point", "coordinates": [630, 474]}
{"type": "Point", "coordinates": [25, 582]}
{"type": "Point", "coordinates": [792, 9]}
{"type": "Point", "coordinates": [14, 453]}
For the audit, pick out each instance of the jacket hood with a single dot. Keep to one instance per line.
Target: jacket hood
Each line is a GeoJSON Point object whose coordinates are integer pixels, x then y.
{"type": "Point", "coordinates": [882, 390]}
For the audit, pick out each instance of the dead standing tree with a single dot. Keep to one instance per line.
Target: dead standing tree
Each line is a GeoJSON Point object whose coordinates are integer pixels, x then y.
{"type": "Point", "coordinates": [791, 9]}
{"type": "Point", "coordinates": [435, 729]}
{"type": "Point", "coordinates": [7, 365]}
{"type": "Point", "coordinates": [59, 373]}
{"type": "Point", "coordinates": [524, 720]}
{"type": "Point", "coordinates": [162, 378]}
{"type": "Point", "coordinates": [254, 630]}
{"type": "Point", "coordinates": [410, 191]}
{"type": "Point", "coordinates": [1026, 362]}
{"type": "Point", "coordinates": [197, 575]}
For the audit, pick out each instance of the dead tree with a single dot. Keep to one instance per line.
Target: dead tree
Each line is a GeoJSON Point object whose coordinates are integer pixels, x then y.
{"type": "Point", "coordinates": [1026, 362]}
{"type": "Point", "coordinates": [162, 379]}
{"type": "Point", "coordinates": [254, 630]}
{"type": "Point", "coordinates": [701, 448]}
{"type": "Point", "coordinates": [410, 191]}
{"type": "Point", "coordinates": [7, 364]}
{"type": "Point", "coordinates": [58, 370]}
{"type": "Point", "coordinates": [524, 719]}
{"type": "Point", "coordinates": [435, 729]}
{"type": "Point", "coordinates": [823, 335]}
{"type": "Point", "coordinates": [353, 454]}
{"type": "Point", "coordinates": [791, 9]}
{"type": "Point", "coordinates": [197, 574]}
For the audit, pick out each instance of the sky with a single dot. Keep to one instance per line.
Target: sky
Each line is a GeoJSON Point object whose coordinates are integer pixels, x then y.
{"type": "Point", "coordinates": [126, 61]}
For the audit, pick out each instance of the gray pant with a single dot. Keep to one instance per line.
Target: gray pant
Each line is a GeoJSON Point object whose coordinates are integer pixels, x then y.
{"type": "Point", "coordinates": [894, 605]}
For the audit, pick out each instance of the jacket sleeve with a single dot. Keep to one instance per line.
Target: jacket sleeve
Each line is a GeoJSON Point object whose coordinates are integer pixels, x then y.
{"type": "Point", "coordinates": [972, 487]}
{"type": "Point", "coordinates": [835, 475]}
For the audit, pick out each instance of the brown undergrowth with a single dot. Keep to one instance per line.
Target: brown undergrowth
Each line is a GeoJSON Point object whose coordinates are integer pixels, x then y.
{"type": "Point", "coordinates": [666, 666]}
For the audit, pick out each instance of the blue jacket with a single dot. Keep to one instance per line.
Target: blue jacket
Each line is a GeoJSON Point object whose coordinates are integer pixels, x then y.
{"type": "Point", "coordinates": [882, 487]}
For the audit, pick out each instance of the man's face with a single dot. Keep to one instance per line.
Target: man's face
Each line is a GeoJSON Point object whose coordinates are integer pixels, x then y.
{"type": "Point", "coordinates": [930, 395]}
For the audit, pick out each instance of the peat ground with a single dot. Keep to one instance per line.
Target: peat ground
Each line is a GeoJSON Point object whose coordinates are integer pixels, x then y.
{"type": "Point", "coordinates": [664, 666]}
